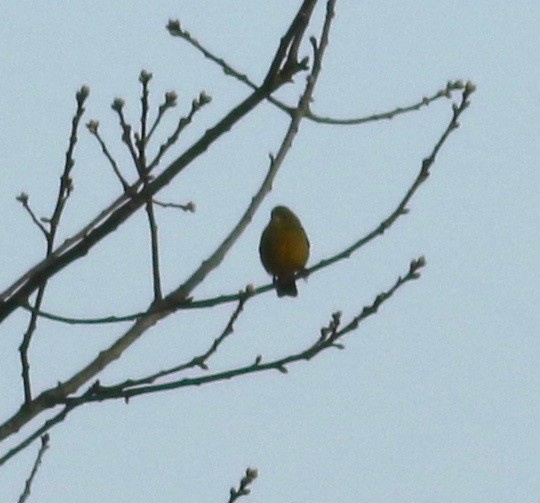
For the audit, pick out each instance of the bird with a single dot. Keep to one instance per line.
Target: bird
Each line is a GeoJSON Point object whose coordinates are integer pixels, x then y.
{"type": "Point", "coordinates": [284, 250]}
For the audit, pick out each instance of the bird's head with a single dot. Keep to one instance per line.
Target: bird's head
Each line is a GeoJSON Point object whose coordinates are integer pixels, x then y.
{"type": "Point", "coordinates": [283, 214]}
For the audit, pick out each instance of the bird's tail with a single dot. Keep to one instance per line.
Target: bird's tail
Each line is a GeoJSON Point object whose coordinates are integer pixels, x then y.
{"type": "Point", "coordinates": [286, 286]}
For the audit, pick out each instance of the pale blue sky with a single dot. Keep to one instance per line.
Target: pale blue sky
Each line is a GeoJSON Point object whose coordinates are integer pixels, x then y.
{"type": "Point", "coordinates": [434, 399]}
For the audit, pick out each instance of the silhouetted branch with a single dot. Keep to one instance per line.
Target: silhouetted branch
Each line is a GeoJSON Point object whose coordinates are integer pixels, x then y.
{"type": "Point", "coordinates": [243, 488]}
{"type": "Point", "coordinates": [93, 127]}
{"type": "Point", "coordinates": [154, 243]}
{"type": "Point", "coordinates": [178, 31]}
{"type": "Point", "coordinates": [125, 206]}
{"type": "Point", "coordinates": [280, 71]}
{"type": "Point", "coordinates": [182, 292]}
{"type": "Point", "coordinates": [424, 102]}
{"type": "Point", "coordinates": [23, 198]}
{"type": "Point", "coordinates": [329, 338]}
{"type": "Point", "coordinates": [118, 107]}
{"type": "Point", "coordinates": [189, 207]}
{"type": "Point", "coordinates": [422, 176]}
{"type": "Point", "coordinates": [28, 485]}
{"type": "Point", "coordinates": [141, 141]}
{"type": "Point", "coordinates": [168, 103]}
{"type": "Point", "coordinates": [47, 425]}
{"type": "Point", "coordinates": [202, 100]}
{"type": "Point", "coordinates": [198, 361]}
{"type": "Point", "coordinates": [64, 191]}
{"type": "Point", "coordinates": [399, 211]}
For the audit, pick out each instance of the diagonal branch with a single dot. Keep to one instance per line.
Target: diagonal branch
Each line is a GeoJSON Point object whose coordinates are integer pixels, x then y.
{"type": "Point", "coordinates": [124, 207]}
{"type": "Point", "coordinates": [399, 211]}
{"type": "Point", "coordinates": [23, 198]}
{"type": "Point", "coordinates": [422, 176]}
{"type": "Point", "coordinates": [329, 338]}
{"type": "Point", "coordinates": [181, 293]}
{"type": "Point", "coordinates": [275, 78]}
{"type": "Point", "coordinates": [93, 128]}
{"type": "Point", "coordinates": [28, 485]}
{"type": "Point", "coordinates": [64, 191]}
{"type": "Point", "coordinates": [202, 100]}
{"type": "Point", "coordinates": [198, 361]}
{"type": "Point", "coordinates": [243, 488]}
{"type": "Point", "coordinates": [178, 31]}
{"type": "Point", "coordinates": [168, 102]}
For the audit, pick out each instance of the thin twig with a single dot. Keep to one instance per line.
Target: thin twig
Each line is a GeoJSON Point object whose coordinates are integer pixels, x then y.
{"type": "Point", "coordinates": [23, 198]}
{"type": "Point", "coordinates": [182, 292]}
{"type": "Point", "coordinates": [177, 31]}
{"type": "Point", "coordinates": [399, 211]}
{"type": "Point", "coordinates": [190, 207]}
{"type": "Point", "coordinates": [64, 191]}
{"type": "Point", "coordinates": [198, 103]}
{"type": "Point", "coordinates": [100, 393]}
{"type": "Point", "coordinates": [156, 275]}
{"type": "Point", "coordinates": [424, 102]}
{"type": "Point", "coordinates": [422, 176]}
{"type": "Point", "coordinates": [243, 488]}
{"type": "Point", "coordinates": [141, 142]}
{"type": "Point", "coordinates": [197, 361]}
{"type": "Point", "coordinates": [168, 102]}
{"type": "Point", "coordinates": [110, 219]}
{"type": "Point", "coordinates": [47, 425]}
{"type": "Point", "coordinates": [125, 206]}
{"type": "Point", "coordinates": [28, 485]}
{"type": "Point", "coordinates": [93, 127]}
{"type": "Point", "coordinates": [329, 338]}
{"type": "Point", "coordinates": [118, 106]}
{"type": "Point", "coordinates": [144, 79]}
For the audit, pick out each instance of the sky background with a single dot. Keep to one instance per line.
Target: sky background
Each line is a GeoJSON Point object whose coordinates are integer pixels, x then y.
{"type": "Point", "coordinates": [434, 399]}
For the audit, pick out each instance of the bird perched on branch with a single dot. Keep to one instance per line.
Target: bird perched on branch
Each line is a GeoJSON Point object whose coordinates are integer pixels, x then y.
{"type": "Point", "coordinates": [284, 250]}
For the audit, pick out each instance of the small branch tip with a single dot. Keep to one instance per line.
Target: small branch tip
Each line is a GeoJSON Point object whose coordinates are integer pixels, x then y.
{"type": "Point", "coordinates": [118, 104]}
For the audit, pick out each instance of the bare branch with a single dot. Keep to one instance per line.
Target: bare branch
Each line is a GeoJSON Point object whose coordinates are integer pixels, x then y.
{"type": "Point", "coordinates": [168, 102]}
{"type": "Point", "coordinates": [424, 102]}
{"type": "Point", "coordinates": [399, 211]}
{"type": "Point", "coordinates": [98, 393]}
{"type": "Point", "coordinates": [118, 107]}
{"type": "Point", "coordinates": [144, 79]}
{"type": "Point", "coordinates": [28, 485]}
{"type": "Point", "coordinates": [93, 127]}
{"type": "Point", "coordinates": [181, 293]}
{"type": "Point", "coordinates": [64, 191]}
{"type": "Point", "coordinates": [243, 488]}
{"type": "Point", "coordinates": [71, 250]}
{"type": "Point", "coordinates": [47, 425]}
{"type": "Point", "coordinates": [190, 207]}
{"type": "Point", "coordinates": [177, 31]}
{"type": "Point", "coordinates": [23, 198]}
{"type": "Point", "coordinates": [124, 207]}
{"type": "Point", "coordinates": [198, 361]}
{"type": "Point", "coordinates": [66, 183]}
{"type": "Point", "coordinates": [422, 176]}
{"type": "Point", "coordinates": [202, 100]}
{"type": "Point", "coordinates": [156, 275]}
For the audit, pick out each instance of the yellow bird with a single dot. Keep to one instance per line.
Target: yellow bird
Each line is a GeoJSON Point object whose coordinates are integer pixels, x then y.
{"type": "Point", "coordinates": [284, 249]}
